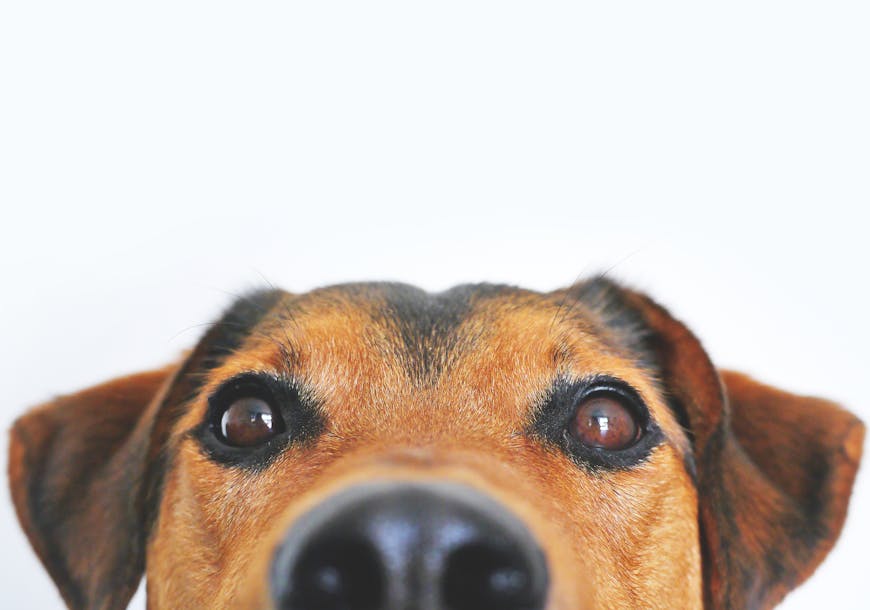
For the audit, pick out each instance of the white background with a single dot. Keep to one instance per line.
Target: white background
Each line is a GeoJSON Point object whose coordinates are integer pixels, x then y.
{"type": "Point", "coordinates": [157, 156]}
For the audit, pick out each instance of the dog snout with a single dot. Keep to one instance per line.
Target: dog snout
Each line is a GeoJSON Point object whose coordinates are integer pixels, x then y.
{"type": "Point", "coordinates": [404, 546]}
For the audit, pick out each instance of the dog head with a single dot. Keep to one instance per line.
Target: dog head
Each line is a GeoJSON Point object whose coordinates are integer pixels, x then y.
{"type": "Point", "coordinates": [372, 446]}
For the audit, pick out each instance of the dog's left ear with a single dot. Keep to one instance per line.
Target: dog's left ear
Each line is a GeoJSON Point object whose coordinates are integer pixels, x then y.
{"type": "Point", "coordinates": [791, 462]}
{"type": "Point", "coordinates": [774, 470]}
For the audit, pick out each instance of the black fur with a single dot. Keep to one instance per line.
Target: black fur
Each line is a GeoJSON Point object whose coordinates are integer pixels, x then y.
{"type": "Point", "coordinates": [606, 299]}
{"type": "Point", "coordinates": [426, 323]}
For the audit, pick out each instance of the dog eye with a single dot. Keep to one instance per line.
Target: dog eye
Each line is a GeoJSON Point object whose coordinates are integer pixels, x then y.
{"type": "Point", "coordinates": [253, 417]}
{"type": "Point", "coordinates": [604, 421]}
{"type": "Point", "coordinates": [249, 421]}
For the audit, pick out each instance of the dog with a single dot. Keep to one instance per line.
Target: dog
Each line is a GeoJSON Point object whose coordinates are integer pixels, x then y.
{"type": "Point", "coordinates": [375, 447]}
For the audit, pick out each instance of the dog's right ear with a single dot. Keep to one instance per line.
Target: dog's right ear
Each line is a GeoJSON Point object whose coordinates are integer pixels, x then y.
{"type": "Point", "coordinates": [86, 469]}
{"type": "Point", "coordinates": [77, 483]}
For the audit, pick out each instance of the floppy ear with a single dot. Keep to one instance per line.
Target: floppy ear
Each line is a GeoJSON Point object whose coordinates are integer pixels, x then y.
{"type": "Point", "coordinates": [774, 470]}
{"type": "Point", "coordinates": [77, 474]}
{"type": "Point", "coordinates": [86, 469]}
{"type": "Point", "coordinates": [787, 476]}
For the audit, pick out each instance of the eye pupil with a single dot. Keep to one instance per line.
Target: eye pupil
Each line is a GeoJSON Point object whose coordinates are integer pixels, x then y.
{"type": "Point", "coordinates": [247, 422]}
{"type": "Point", "coordinates": [605, 423]}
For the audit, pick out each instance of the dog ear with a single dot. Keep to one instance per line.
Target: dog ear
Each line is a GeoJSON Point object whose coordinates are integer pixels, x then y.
{"type": "Point", "coordinates": [77, 483]}
{"type": "Point", "coordinates": [86, 469]}
{"type": "Point", "coordinates": [787, 475]}
{"type": "Point", "coordinates": [774, 470]}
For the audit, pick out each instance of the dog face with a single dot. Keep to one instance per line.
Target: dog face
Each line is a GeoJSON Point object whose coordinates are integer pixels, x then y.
{"type": "Point", "coordinates": [373, 446]}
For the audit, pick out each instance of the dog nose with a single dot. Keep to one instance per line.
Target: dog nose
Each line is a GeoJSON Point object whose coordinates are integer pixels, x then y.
{"type": "Point", "coordinates": [402, 546]}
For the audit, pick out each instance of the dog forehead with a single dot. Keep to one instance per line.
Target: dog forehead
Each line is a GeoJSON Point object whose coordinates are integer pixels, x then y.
{"type": "Point", "coordinates": [379, 343]}
{"type": "Point", "coordinates": [425, 335]}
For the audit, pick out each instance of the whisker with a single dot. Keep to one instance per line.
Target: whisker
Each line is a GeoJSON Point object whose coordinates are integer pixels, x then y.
{"type": "Point", "coordinates": [562, 313]}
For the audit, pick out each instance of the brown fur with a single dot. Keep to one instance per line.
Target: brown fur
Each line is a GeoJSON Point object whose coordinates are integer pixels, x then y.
{"type": "Point", "coordinates": [737, 506]}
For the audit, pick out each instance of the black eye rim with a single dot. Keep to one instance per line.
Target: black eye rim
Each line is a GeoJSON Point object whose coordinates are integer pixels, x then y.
{"type": "Point", "coordinates": [554, 419]}
{"type": "Point", "coordinates": [297, 415]}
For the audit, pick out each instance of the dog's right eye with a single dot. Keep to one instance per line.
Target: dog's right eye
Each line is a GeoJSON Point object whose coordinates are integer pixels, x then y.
{"type": "Point", "coordinates": [246, 412]}
{"type": "Point", "coordinates": [248, 422]}
{"type": "Point", "coordinates": [253, 417]}
{"type": "Point", "coordinates": [604, 422]}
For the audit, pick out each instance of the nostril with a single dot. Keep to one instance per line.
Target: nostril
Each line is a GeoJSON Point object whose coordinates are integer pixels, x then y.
{"type": "Point", "coordinates": [337, 575]}
{"type": "Point", "coordinates": [479, 575]}
{"type": "Point", "coordinates": [401, 546]}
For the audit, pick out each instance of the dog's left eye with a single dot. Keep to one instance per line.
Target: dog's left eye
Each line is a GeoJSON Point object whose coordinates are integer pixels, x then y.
{"type": "Point", "coordinates": [249, 421]}
{"type": "Point", "coordinates": [600, 422]}
{"type": "Point", "coordinates": [604, 421]}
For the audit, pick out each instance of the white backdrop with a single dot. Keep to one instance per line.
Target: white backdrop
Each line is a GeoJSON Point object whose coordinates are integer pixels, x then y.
{"type": "Point", "coordinates": [156, 157]}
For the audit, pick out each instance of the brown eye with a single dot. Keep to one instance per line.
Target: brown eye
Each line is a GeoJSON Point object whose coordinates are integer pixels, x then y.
{"type": "Point", "coordinates": [604, 422]}
{"type": "Point", "coordinates": [248, 422]}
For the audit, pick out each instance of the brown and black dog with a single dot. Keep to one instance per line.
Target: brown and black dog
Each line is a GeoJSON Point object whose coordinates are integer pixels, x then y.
{"type": "Point", "coordinates": [376, 447]}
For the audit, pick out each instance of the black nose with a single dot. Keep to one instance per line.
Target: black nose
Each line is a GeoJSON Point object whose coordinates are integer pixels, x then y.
{"type": "Point", "coordinates": [399, 546]}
